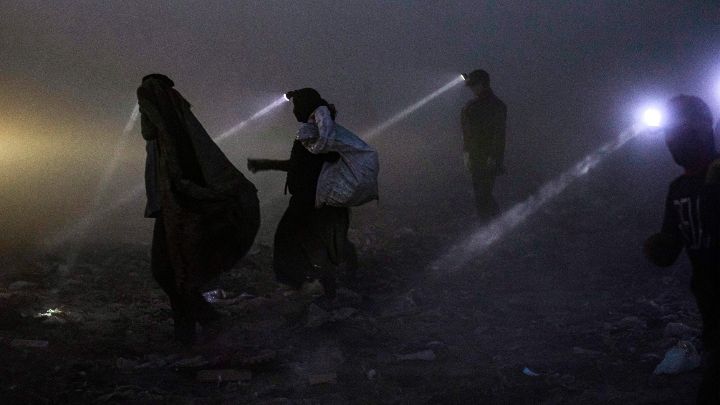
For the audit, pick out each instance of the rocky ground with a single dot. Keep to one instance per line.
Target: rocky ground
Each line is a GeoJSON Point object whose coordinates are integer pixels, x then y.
{"type": "Point", "coordinates": [564, 310]}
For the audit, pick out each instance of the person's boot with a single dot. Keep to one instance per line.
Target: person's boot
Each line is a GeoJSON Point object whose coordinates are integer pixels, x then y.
{"type": "Point", "coordinates": [209, 319]}
{"type": "Point", "coordinates": [205, 313]}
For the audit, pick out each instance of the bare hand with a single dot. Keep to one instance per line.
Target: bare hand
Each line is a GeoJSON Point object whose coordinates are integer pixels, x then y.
{"type": "Point", "coordinates": [255, 165]}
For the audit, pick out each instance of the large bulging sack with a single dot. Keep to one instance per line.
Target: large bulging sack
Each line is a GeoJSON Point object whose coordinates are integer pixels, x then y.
{"type": "Point", "coordinates": [351, 180]}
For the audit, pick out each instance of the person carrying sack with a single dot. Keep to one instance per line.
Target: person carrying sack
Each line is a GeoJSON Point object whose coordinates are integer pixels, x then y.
{"type": "Point", "coordinates": [311, 239]}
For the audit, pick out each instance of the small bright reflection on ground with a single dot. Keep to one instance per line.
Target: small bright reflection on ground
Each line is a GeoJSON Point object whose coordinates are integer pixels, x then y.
{"type": "Point", "coordinates": [49, 313]}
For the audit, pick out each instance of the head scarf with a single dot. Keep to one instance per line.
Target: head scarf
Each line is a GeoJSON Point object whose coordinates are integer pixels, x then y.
{"type": "Point", "coordinates": [305, 101]}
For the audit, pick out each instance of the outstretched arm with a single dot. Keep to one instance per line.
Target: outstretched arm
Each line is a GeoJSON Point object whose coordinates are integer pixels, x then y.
{"type": "Point", "coordinates": [259, 165]}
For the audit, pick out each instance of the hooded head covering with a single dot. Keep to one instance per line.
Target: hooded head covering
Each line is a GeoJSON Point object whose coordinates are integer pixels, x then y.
{"type": "Point", "coordinates": [689, 132]}
{"type": "Point", "coordinates": [305, 101]}
{"type": "Point", "coordinates": [210, 210]}
{"type": "Point", "coordinates": [164, 80]}
{"type": "Point", "coordinates": [478, 76]}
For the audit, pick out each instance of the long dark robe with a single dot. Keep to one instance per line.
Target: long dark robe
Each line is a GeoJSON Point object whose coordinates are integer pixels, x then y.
{"type": "Point", "coordinates": [210, 211]}
{"type": "Point", "coordinates": [309, 241]}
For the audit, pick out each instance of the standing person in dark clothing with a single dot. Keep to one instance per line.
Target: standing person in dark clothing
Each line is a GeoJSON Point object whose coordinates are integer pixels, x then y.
{"type": "Point", "coordinates": [206, 212]}
{"type": "Point", "coordinates": [310, 242]}
{"type": "Point", "coordinates": [692, 221]}
{"type": "Point", "coordinates": [483, 124]}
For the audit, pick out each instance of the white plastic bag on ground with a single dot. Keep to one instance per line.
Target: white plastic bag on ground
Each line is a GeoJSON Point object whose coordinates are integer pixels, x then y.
{"type": "Point", "coordinates": [680, 358]}
{"type": "Point", "coordinates": [351, 180]}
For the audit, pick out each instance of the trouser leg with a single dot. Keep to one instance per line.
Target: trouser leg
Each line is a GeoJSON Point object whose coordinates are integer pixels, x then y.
{"type": "Point", "coordinates": [483, 184]}
{"type": "Point", "coordinates": [164, 274]}
{"type": "Point", "coordinates": [707, 296]}
{"type": "Point", "coordinates": [288, 257]}
{"type": "Point", "coordinates": [706, 290]}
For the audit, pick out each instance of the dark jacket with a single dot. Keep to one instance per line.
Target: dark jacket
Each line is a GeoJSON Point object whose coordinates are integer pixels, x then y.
{"type": "Point", "coordinates": [483, 124]}
{"type": "Point", "coordinates": [692, 216]}
{"type": "Point", "coordinates": [303, 171]}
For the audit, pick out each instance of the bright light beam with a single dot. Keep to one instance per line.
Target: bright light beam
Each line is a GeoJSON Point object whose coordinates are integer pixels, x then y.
{"type": "Point", "coordinates": [411, 109]}
{"type": "Point", "coordinates": [82, 226]}
{"type": "Point", "coordinates": [265, 111]}
{"type": "Point", "coordinates": [460, 254]}
{"type": "Point", "coordinates": [110, 169]}
{"type": "Point", "coordinates": [115, 161]}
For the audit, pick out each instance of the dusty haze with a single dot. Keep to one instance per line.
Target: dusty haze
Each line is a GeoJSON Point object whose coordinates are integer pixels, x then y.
{"type": "Point", "coordinates": [572, 74]}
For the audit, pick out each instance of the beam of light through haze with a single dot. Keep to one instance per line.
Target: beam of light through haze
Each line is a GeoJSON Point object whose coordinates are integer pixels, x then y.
{"type": "Point", "coordinates": [85, 223]}
{"type": "Point", "coordinates": [463, 252]}
{"type": "Point", "coordinates": [411, 109]}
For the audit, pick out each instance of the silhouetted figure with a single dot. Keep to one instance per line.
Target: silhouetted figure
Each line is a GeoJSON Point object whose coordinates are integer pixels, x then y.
{"type": "Point", "coordinates": [206, 212]}
{"type": "Point", "coordinates": [310, 242]}
{"type": "Point", "coordinates": [692, 221]}
{"type": "Point", "coordinates": [483, 124]}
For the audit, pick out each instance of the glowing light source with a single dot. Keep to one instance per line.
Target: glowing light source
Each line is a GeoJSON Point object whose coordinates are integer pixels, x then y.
{"type": "Point", "coordinates": [652, 117]}
{"type": "Point", "coordinates": [464, 76]}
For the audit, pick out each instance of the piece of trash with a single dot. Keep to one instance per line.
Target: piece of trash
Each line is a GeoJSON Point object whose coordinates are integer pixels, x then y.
{"type": "Point", "coordinates": [317, 379]}
{"type": "Point", "coordinates": [215, 295]}
{"type": "Point", "coordinates": [316, 316]}
{"type": "Point", "coordinates": [679, 330]}
{"type": "Point", "coordinates": [30, 344]}
{"type": "Point", "coordinates": [587, 352]}
{"type": "Point", "coordinates": [530, 373]}
{"type": "Point", "coordinates": [21, 285]}
{"type": "Point", "coordinates": [424, 355]}
{"type": "Point", "coordinates": [680, 358]}
{"type": "Point", "coordinates": [343, 313]}
{"type": "Point", "coordinates": [125, 364]}
{"type": "Point", "coordinates": [191, 362]}
{"type": "Point", "coordinates": [219, 376]}
{"type": "Point", "coordinates": [371, 374]}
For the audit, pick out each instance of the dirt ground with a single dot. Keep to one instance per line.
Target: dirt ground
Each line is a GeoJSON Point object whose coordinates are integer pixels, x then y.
{"type": "Point", "coordinates": [563, 310]}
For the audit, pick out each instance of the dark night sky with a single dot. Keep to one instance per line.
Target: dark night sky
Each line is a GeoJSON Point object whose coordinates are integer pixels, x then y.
{"type": "Point", "coordinates": [572, 74]}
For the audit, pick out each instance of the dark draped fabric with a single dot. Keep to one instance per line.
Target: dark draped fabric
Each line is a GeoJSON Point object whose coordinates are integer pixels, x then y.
{"type": "Point", "coordinates": [209, 210]}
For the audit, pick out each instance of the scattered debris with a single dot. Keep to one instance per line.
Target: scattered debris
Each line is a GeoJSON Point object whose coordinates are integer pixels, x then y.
{"type": "Point", "coordinates": [191, 362]}
{"type": "Point", "coordinates": [125, 364]}
{"type": "Point", "coordinates": [21, 285]}
{"type": "Point", "coordinates": [530, 373]}
{"type": "Point", "coordinates": [404, 305]}
{"type": "Point", "coordinates": [327, 378]}
{"type": "Point", "coordinates": [632, 322]}
{"type": "Point", "coordinates": [215, 295]}
{"type": "Point", "coordinates": [586, 352]}
{"type": "Point", "coordinates": [424, 355]}
{"type": "Point", "coordinates": [313, 288]}
{"type": "Point", "coordinates": [219, 376]}
{"type": "Point", "coordinates": [343, 314]}
{"type": "Point", "coordinates": [29, 344]}
{"type": "Point", "coordinates": [316, 316]}
{"type": "Point", "coordinates": [679, 330]}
